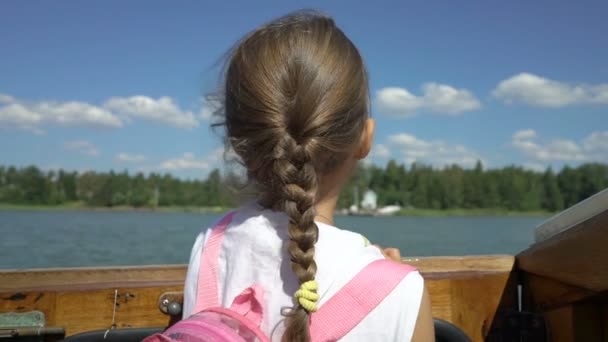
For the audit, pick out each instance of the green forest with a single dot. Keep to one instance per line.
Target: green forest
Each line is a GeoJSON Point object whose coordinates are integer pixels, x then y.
{"type": "Point", "coordinates": [418, 186]}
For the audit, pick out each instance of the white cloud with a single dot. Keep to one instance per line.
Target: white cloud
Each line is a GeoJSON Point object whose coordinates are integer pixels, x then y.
{"type": "Point", "coordinates": [441, 98]}
{"type": "Point", "coordinates": [380, 151]}
{"type": "Point", "coordinates": [6, 99]}
{"type": "Point", "coordinates": [208, 109]}
{"type": "Point", "coordinates": [397, 102]}
{"type": "Point", "coordinates": [186, 162]}
{"type": "Point", "coordinates": [206, 113]}
{"type": "Point", "coordinates": [592, 148]}
{"type": "Point", "coordinates": [435, 152]}
{"type": "Point", "coordinates": [163, 110]}
{"type": "Point", "coordinates": [20, 116]}
{"type": "Point", "coordinates": [32, 116]}
{"type": "Point", "coordinates": [437, 98]}
{"type": "Point", "coordinates": [130, 158]}
{"type": "Point", "coordinates": [190, 162]}
{"type": "Point", "coordinates": [114, 113]}
{"type": "Point", "coordinates": [219, 154]}
{"type": "Point", "coordinates": [524, 134]}
{"type": "Point", "coordinates": [543, 92]}
{"type": "Point", "coordinates": [83, 147]}
{"type": "Point", "coordinates": [596, 146]}
{"type": "Point", "coordinates": [78, 113]}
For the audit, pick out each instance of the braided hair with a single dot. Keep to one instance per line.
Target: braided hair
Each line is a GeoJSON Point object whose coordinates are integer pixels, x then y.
{"type": "Point", "coordinates": [296, 100]}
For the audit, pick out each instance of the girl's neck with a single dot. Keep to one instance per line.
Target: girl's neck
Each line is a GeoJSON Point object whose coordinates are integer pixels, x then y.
{"type": "Point", "coordinates": [325, 208]}
{"type": "Point", "coordinates": [324, 219]}
{"type": "Point", "coordinates": [329, 192]}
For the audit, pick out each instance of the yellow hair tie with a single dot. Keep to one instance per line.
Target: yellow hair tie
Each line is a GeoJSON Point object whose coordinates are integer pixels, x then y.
{"type": "Point", "coordinates": [307, 295]}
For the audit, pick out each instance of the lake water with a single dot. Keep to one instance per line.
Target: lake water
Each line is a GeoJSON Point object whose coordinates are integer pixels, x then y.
{"type": "Point", "coordinates": [40, 239]}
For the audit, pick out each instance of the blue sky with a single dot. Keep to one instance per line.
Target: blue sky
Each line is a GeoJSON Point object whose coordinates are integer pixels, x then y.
{"type": "Point", "coordinates": [118, 84]}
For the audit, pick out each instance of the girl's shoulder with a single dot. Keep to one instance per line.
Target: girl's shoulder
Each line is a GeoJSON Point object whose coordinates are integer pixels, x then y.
{"type": "Point", "coordinates": [341, 254]}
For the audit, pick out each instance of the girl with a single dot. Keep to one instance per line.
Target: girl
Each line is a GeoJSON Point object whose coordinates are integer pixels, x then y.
{"type": "Point", "coordinates": [296, 106]}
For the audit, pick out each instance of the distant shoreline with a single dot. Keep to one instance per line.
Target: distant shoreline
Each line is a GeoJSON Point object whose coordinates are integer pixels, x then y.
{"type": "Point", "coordinates": [212, 210]}
{"type": "Point", "coordinates": [471, 213]}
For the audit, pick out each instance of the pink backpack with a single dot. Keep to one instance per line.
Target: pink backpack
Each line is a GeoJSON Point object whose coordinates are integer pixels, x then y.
{"type": "Point", "coordinates": [241, 322]}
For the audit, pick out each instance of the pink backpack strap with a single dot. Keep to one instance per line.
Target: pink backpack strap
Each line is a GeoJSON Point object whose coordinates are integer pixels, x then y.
{"type": "Point", "coordinates": [351, 304]}
{"type": "Point", "coordinates": [207, 293]}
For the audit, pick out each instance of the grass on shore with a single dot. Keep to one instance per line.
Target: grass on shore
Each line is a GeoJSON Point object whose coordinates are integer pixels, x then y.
{"type": "Point", "coordinates": [469, 212]}
{"type": "Point", "coordinates": [79, 206]}
{"type": "Point", "coordinates": [43, 207]}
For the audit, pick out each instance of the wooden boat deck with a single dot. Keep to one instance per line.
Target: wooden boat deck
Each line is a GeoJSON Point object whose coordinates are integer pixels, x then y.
{"type": "Point", "coordinates": [464, 290]}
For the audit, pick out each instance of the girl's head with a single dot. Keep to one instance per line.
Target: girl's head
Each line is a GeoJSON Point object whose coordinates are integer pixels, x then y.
{"type": "Point", "coordinates": [296, 113]}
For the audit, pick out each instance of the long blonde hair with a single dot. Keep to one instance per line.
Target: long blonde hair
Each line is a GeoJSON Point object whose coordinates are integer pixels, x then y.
{"type": "Point", "coordinates": [295, 103]}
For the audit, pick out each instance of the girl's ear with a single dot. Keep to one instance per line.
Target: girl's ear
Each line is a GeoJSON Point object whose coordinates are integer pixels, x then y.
{"type": "Point", "coordinates": [366, 140]}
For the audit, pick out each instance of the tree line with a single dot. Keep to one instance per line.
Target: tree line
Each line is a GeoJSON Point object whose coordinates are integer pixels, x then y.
{"type": "Point", "coordinates": [417, 186]}
{"type": "Point", "coordinates": [30, 185]}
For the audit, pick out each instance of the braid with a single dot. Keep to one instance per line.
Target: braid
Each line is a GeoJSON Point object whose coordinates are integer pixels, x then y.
{"type": "Point", "coordinates": [295, 104]}
{"type": "Point", "coordinates": [292, 189]}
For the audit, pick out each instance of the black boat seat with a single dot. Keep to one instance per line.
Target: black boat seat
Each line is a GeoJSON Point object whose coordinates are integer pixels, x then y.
{"type": "Point", "coordinates": [448, 332]}
{"type": "Point", "coordinates": [444, 332]}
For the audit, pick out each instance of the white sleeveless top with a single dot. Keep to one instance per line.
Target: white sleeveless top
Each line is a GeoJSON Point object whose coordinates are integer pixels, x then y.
{"type": "Point", "coordinates": [253, 252]}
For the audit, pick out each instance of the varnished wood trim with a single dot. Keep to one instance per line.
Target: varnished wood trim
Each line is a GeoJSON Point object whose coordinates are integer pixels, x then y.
{"type": "Point", "coordinates": [572, 216]}
{"type": "Point", "coordinates": [577, 257]}
{"type": "Point", "coordinates": [91, 278]}
{"type": "Point", "coordinates": [87, 278]}
{"type": "Point", "coordinates": [548, 294]}
{"type": "Point", "coordinates": [469, 263]}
